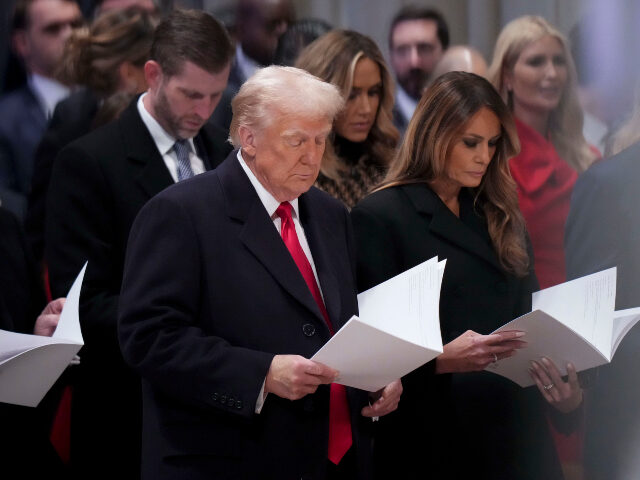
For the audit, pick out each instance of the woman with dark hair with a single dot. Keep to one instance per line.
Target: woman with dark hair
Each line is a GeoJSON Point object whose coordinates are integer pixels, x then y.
{"type": "Point", "coordinates": [363, 139]}
{"type": "Point", "coordinates": [449, 193]}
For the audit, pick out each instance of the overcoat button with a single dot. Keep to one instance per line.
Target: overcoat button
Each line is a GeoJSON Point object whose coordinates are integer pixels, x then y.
{"type": "Point", "coordinates": [309, 330]}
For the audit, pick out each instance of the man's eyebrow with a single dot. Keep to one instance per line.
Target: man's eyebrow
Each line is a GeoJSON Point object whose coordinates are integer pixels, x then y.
{"type": "Point", "coordinates": [291, 133]}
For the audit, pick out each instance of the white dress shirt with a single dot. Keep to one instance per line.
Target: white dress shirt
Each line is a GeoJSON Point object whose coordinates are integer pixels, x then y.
{"type": "Point", "coordinates": [164, 142]}
{"type": "Point", "coordinates": [48, 92]}
{"type": "Point", "coordinates": [406, 104]}
{"type": "Point", "coordinates": [247, 65]}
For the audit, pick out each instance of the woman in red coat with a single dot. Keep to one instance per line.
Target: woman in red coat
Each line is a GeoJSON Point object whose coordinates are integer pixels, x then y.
{"type": "Point", "coordinates": [533, 71]}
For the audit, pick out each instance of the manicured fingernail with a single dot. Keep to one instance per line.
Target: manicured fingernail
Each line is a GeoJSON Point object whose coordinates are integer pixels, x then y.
{"type": "Point", "coordinates": [520, 334]}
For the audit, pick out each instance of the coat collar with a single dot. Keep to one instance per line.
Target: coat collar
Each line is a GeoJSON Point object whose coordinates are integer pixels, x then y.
{"type": "Point", "coordinates": [152, 174]}
{"type": "Point", "coordinates": [468, 232]}
{"type": "Point", "coordinates": [262, 239]}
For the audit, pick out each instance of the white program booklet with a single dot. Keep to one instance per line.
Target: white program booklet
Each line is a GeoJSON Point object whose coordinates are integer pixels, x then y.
{"type": "Point", "coordinates": [571, 322]}
{"type": "Point", "coordinates": [30, 364]}
{"type": "Point", "coordinates": [397, 331]}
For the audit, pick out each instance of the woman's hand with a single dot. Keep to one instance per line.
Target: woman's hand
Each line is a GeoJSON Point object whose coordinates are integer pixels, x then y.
{"type": "Point", "coordinates": [564, 396]}
{"type": "Point", "coordinates": [472, 352]}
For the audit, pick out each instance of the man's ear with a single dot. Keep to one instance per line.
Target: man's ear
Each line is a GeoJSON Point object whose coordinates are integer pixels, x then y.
{"type": "Point", "coordinates": [247, 140]}
{"type": "Point", "coordinates": [20, 43]}
{"type": "Point", "coordinates": [153, 75]}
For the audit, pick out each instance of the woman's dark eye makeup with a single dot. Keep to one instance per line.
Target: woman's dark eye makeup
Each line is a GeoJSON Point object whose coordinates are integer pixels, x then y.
{"type": "Point", "coordinates": [473, 142]}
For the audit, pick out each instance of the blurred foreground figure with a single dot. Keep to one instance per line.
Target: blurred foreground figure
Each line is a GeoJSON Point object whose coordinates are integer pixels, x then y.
{"type": "Point", "coordinates": [603, 231]}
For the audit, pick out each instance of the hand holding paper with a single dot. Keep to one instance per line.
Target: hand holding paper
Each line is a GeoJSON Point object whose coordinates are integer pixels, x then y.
{"type": "Point", "coordinates": [398, 330]}
{"type": "Point", "coordinates": [564, 396]}
{"type": "Point", "coordinates": [293, 376]}
{"type": "Point", "coordinates": [571, 322]}
{"type": "Point", "coordinates": [472, 352]}
{"type": "Point", "coordinates": [30, 364]}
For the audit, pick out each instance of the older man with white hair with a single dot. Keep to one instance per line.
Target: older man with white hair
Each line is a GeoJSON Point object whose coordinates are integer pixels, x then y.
{"type": "Point", "coordinates": [233, 280]}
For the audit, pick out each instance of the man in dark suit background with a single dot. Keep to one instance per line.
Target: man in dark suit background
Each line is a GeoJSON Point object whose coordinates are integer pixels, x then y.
{"type": "Point", "coordinates": [418, 37]}
{"type": "Point", "coordinates": [232, 281]}
{"type": "Point", "coordinates": [40, 29]}
{"type": "Point", "coordinates": [99, 184]}
{"type": "Point", "coordinates": [258, 26]}
{"type": "Point", "coordinates": [603, 231]}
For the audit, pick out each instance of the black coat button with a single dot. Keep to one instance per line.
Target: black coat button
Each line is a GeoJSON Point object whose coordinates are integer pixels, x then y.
{"type": "Point", "coordinates": [223, 399]}
{"type": "Point", "coordinates": [239, 404]}
{"type": "Point", "coordinates": [215, 397]}
{"type": "Point", "coordinates": [309, 330]}
{"type": "Point", "coordinates": [231, 402]}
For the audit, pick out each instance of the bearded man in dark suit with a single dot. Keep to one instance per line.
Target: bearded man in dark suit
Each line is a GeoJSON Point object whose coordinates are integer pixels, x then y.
{"type": "Point", "coordinates": [99, 184]}
{"type": "Point", "coordinates": [233, 280]}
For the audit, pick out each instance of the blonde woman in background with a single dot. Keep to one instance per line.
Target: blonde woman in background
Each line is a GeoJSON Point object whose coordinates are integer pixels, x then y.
{"type": "Point", "coordinates": [533, 70]}
{"type": "Point", "coordinates": [363, 140]}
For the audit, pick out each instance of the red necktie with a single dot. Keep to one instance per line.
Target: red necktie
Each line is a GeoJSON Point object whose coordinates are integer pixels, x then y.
{"type": "Point", "coordinates": [339, 423]}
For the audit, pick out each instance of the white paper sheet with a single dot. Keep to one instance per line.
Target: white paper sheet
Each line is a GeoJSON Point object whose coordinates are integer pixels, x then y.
{"type": "Point", "coordinates": [398, 330]}
{"type": "Point", "coordinates": [30, 364]}
{"type": "Point", "coordinates": [571, 322]}
{"type": "Point", "coordinates": [585, 305]}
{"type": "Point", "coordinates": [623, 321]}
{"type": "Point", "coordinates": [548, 337]}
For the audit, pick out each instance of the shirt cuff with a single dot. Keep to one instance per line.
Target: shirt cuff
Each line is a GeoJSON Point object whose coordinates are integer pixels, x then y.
{"type": "Point", "coordinates": [261, 398]}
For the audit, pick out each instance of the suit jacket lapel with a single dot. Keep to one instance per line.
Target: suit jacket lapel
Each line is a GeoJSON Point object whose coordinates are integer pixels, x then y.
{"type": "Point", "coordinates": [202, 151]}
{"type": "Point", "coordinates": [153, 176]}
{"type": "Point", "coordinates": [319, 238]}
{"type": "Point", "coordinates": [259, 234]}
{"type": "Point", "coordinates": [35, 110]}
{"type": "Point", "coordinates": [446, 225]}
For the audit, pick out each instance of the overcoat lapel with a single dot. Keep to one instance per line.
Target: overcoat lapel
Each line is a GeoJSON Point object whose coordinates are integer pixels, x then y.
{"type": "Point", "coordinates": [259, 235]}
{"type": "Point", "coordinates": [446, 225]}
{"type": "Point", "coordinates": [320, 238]}
{"type": "Point", "coordinates": [152, 176]}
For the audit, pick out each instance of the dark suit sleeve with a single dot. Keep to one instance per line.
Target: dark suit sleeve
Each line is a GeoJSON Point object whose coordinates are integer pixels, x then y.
{"type": "Point", "coordinates": [159, 330]}
{"type": "Point", "coordinates": [80, 227]}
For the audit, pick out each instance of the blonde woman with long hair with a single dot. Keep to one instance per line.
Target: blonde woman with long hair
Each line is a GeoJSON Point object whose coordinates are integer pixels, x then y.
{"type": "Point", "coordinates": [533, 70]}
{"type": "Point", "coordinates": [363, 139]}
